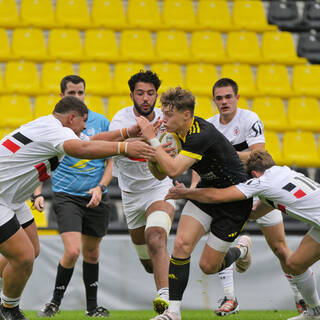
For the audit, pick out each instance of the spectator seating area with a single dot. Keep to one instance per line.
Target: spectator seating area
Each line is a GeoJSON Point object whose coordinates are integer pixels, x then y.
{"type": "Point", "coordinates": [271, 48]}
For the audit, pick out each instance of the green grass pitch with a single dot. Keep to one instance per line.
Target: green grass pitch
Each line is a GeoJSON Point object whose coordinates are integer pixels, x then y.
{"type": "Point", "coordinates": [186, 315]}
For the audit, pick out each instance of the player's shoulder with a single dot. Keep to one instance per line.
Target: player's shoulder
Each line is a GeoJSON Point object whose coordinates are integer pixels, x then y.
{"type": "Point", "coordinates": [214, 119]}
{"type": "Point", "coordinates": [124, 113]}
{"type": "Point", "coordinates": [247, 115]}
{"type": "Point", "coordinates": [97, 116]}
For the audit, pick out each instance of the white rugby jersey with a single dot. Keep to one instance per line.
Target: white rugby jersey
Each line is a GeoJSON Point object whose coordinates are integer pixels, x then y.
{"type": "Point", "coordinates": [133, 174]}
{"type": "Point", "coordinates": [28, 155]}
{"type": "Point", "coordinates": [243, 131]}
{"type": "Point", "coordinates": [285, 189]}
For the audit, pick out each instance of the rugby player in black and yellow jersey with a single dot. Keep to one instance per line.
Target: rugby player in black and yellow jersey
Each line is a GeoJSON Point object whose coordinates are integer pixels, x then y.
{"type": "Point", "coordinates": [211, 155]}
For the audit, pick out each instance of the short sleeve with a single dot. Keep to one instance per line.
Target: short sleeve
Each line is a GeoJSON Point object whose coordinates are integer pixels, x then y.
{"type": "Point", "coordinates": [251, 187]}
{"type": "Point", "coordinates": [255, 130]}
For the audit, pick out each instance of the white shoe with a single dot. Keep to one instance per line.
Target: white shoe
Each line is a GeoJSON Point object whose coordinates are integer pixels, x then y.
{"type": "Point", "coordinates": [242, 264]}
{"type": "Point", "coordinates": [167, 316]}
{"type": "Point", "coordinates": [305, 316]}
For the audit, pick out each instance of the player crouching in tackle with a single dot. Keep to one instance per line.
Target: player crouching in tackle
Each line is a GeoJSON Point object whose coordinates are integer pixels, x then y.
{"type": "Point", "coordinates": [291, 192]}
{"type": "Point", "coordinates": [211, 155]}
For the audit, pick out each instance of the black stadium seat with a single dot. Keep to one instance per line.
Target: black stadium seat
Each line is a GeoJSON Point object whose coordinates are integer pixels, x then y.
{"type": "Point", "coordinates": [284, 14]}
{"type": "Point", "coordinates": [309, 46]}
{"type": "Point", "coordinates": [311, 15]}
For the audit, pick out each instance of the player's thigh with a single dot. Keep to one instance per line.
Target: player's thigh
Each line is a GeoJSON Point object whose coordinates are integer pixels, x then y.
{"type": "Point", "coordinates": [308, 251]}
{"type": "Point", "coordinates": [28, 224]}
{"type": "Point", "coordinates": [193, 224]}
{"type": "Point", "coordinates": [95, 220]}
{"type": "Point", "coordinates": [69, 211]}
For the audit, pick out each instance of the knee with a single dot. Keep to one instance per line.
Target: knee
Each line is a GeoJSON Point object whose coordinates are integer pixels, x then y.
{"type": "Point", "coordinates": [91, 256]}
{"type": "Point", "coordinates": [207, 267]}
{"type": "Point", "coordinates": [24, 262]}
{"type": "Point", "coordinates": [147, 264]}
{"type": "Point", "coordinates": [72, 254]}
{"type": "Point", "coordinates": [182, 246]}
{"type": "Point", "coordinates": [156, 240]}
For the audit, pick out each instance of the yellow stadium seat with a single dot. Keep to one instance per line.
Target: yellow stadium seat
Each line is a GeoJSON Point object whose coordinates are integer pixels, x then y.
{"type": "Point", "coordinates": [37, 13]}
{"type": "Point", "coordinates": [2, 88]}
{"type": "Point", "coordinates": [207, 46]}
{"type": "Point", "coordinates": [179, 14]}
{"type": "Point", "coordinates": [4, 132]}
{"type": "Point", "coordinates": [40, 218]}
{"type": "Point", "coordinates": [243, 75]}
{"type": "Point", "coordinates": [200, 78]}
{"type": "Point", "coordinates": [300, 149]}
{"type": "Point", "coordinates": [109, 14]}
{"type": "Point", "coordinates": [116, 103]}
{"type": "Point", "coordinates": [304, 113]}
{"type": "Point", "coordinates": [5, 50]}
{"type": "Point", "coordinates": [273, 147]}
{"type": "Point", "coordinates": [271, 111]}
{"type": "Point", "coordinates": [29, 44]}
{"type": "Point", "coordinates": [97, 77]}
{"type": "Point", "coordinates": [243, 103]}
{"type": "Point", "coordinates": [17, 111]}
{"type": "Point", "coordinates": [9, 16]}
{"type": "Point", "coordinates": [52, 74]}
{"type": "Point", "coordinates": [44, 104]}
{"type": "Point", "coordinates": [170, 75]}
{"type": "Point", "coordinates": [214, 15]}
{"type": "Point", "coordinates": [73, 13]}
{"type": "Point", "coordinates": [243, 47]}
{"type": "Point", "coordinates": [122, 73]}
{"type": "Point", "coordinates": [22, 77]}
{"type": "Point", "coordinates": [204, 107]}
{"type": "Point", "coordinates": [250, 15]}
{"type": "Point", "coordinates": [144, 14]}
{"type": "Point", "coordinates": [101, 45]}
{"type": "Point", "coordinates": [136, 45]}
{"type": "Point", "coordinates": [172, 46]}
{"type": "Point", "coordinates": [65, 44]}
{"type": "Point", "coordinates": [95, 103]}
{"type": "Point", "coordinates": [273, 80]}
{"type": "Point", "coordinates": [305, 80]}
{"type": "Point", "coordinates": [278, 47]}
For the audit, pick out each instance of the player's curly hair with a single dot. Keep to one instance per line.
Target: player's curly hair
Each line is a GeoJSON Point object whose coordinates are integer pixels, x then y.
{"type": "Point", "coordinates": [144, 76]}
{"type": "Point", "coordinates": [259, 161]}
{"type": "Point", "coordinates": [179, 98]}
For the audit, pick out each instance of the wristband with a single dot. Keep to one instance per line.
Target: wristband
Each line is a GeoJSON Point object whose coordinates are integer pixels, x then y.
{"type": "Point", "coordinates": [154, 142]}
{"type": "Point", "coordinates": [118, 148]}
{"type": "Point", "coordinates": [126, 148]}
{"type": "Point", "coordinates": [124, 133]}
{"type": "Point", "coordinates": [33, 197]}
{"type": "Point", "coordinates": [122, 147]}
{"type": "Point", "coordinates": [127, 130]}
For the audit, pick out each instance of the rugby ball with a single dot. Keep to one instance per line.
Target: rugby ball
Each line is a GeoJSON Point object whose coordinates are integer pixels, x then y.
{"type": "Point", "coordinates": [175, 143]}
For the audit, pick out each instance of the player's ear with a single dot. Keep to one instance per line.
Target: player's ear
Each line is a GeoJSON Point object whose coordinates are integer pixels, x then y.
{"type": "Point", "coordinates": [254, 174]}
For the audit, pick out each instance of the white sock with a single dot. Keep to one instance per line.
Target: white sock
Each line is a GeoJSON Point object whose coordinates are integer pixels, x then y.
{"type": "Point", "coordinates": [243, 251]}
{"type": "Point", "coordinates": [175, 306]}
{"type": "Point", "coordinates": [306, 284]}
{"type": "Point", "coordinates": [164, 293]}
{"type": "Point", "coordinates": [226, 277]}
{"type": "Point", "coordinates": [296, 293]}
{"type": "Point", "coordinates": [12, 302]}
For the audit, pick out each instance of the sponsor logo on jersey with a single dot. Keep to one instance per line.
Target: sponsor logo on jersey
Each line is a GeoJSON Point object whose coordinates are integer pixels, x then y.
{"type": "Point", "coordinates": [236, 131]}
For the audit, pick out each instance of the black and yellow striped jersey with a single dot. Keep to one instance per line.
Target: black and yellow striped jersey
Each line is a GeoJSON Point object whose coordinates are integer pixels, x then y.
{"type": "Point", "coordinates": [218, 163]}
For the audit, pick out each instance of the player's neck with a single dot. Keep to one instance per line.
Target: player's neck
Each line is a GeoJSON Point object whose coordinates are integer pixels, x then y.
{"type": "Point", "coordinates": [227, 118]}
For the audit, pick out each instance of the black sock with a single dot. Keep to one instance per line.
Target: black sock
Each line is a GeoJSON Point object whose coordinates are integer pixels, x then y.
{"type": "Point", "coordinates": [232, 255]}
{"type": "Point", "coordinates": [178, 277]}
{"type": "Point", "coordinates": [90, 279]}
{"type": "Point", "coordinates": [62, 280]}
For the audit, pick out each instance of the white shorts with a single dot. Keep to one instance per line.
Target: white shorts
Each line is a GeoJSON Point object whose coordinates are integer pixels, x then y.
{"type": "Point", "coordinates": [135, 205]}
{"type": "Point", "coordinates": [23, 213]}
{"type": "Point", "coordinates": [273, 218]}
{"type": "Point", "coordinates": [314, 234]}
{"type": "Point", "coordinates": [193, 211]}
{"type": "Point", "coordinates": [214, 242]}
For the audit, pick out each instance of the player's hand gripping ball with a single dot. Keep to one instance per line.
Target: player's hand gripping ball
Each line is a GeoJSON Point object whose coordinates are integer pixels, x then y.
{"type": "Point", "coordinates": [175, 143]}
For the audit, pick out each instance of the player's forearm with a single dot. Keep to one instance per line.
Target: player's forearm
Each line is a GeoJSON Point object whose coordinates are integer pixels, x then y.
{"type": "Point", "coordinates": [114, 135]}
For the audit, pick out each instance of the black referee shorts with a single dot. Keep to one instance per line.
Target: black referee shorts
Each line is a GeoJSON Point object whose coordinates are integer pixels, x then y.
{"type": "Point", "coordinates": [73, 215]}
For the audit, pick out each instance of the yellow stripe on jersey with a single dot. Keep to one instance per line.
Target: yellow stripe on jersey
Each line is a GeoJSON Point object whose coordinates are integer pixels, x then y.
{"type": "Point", "coordinates": [191, 154]}
{"type": "Point", "coordinates": [179, 262]}
{"type": "Point", "coordinates": [194, 127]}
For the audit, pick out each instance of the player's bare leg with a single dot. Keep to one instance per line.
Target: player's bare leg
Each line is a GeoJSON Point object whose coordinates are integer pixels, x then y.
{"type": "Point", "coordinates": [159, 217]}
{"type": "Point", "coordinates": [298, 264]}
{"type": "Point", "coordinates": [275, 237]}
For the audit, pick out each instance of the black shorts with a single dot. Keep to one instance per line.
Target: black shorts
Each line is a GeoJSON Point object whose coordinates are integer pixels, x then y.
{"type": "Point", "coordinates": [228, 219]}
{"type": "Point", "coordinates": [73, 215]}
{"type": "Point", "coordinates": [8, 229]}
